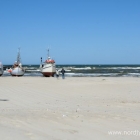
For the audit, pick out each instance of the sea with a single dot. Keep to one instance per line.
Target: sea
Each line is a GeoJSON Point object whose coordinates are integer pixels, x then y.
{"type": "Point", "coordinates": [85, 70]}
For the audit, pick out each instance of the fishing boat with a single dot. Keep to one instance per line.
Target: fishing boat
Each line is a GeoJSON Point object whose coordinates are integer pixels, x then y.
{"type": "Point", "coordinates": [1, 69]}
{"type": "Point", "coordinates": [17, 69]}
{"type": "Point", "coordinates": [48, 68]}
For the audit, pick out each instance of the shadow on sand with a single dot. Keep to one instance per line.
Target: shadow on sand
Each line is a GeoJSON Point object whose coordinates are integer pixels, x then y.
{"type": "Point", "coordinates": [4, 100]}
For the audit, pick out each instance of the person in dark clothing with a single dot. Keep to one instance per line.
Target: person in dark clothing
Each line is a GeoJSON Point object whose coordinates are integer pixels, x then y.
{"type": "Point", "coordinates": [63, 73]}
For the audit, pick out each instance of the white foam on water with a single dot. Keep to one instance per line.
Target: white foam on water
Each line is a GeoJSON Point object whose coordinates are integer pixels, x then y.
{"type": "Point", "coordinates": [33, 70]}
{"type": "Point", "coordinates": [91, 74]}
{"type": "Point", "coordinates": [85, 68]}
{"type": "Point", "coordinates": [123, 68]}
{"type": "Point", "coordinates": [134, 74]}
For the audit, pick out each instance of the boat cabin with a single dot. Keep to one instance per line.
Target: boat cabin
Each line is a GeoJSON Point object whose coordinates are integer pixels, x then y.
{"type": "Point", "coordinates": [49, 60]}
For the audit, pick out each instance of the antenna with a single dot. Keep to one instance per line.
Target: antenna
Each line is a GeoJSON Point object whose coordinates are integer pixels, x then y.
{"type": "Point", "coordinates": [48, 52]}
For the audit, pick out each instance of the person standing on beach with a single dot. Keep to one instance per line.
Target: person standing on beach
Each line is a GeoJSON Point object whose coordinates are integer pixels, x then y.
{"type": "Point", "coordinates": [63, 73]}
{"type": "Point", "coordinates": [57, 73]}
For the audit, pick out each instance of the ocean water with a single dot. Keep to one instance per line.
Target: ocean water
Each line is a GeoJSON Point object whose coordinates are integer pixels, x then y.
{"type": "Point", "coordinates": [86, 70]}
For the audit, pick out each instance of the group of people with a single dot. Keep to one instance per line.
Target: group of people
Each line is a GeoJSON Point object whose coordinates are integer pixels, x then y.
{"type": "Point", "coordinates": [58, 72]}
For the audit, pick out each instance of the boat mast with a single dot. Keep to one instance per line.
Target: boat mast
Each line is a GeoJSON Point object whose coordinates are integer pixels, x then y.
{"type": "Point", "coordinates": [48, 53]}
{"type": "Point", "coordinates": [18, 56]}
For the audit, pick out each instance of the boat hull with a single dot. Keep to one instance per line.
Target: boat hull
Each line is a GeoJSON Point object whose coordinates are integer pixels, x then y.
{"type": "Point", "coordinates": [17, 72]}
{"type": "Point", "coordinates": [1, 72]}
{"type": "Point", "coordinates": [1, 69]}
{"type": "Point", "coordinates": [48, 74]}
{"type": "Point", "coordinates": [48, 70]}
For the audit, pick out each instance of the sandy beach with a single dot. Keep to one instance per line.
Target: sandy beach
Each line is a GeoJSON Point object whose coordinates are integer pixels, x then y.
{"type": "Point", "coordinates": [84, 108]}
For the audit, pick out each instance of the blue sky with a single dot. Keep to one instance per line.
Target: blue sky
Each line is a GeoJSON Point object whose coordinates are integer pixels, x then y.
{"type": "Point", "coordinates": [76, 31]}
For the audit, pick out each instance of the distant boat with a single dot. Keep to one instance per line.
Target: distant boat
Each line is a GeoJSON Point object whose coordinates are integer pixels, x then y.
{"type": "Point", "coordinates": [17, 69]}
{"type": "Point", "coordinates": [1, 69]}
{"type": "Point", "coordinates": [48, 68]}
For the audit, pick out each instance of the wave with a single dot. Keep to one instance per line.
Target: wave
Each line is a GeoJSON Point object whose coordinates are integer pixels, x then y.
{"type": "Point", "coordinates": [118, 68]}
{"type": "Point", "coordinates": [28, 70]}
{"type": "Point", "coordinates": [84, 68]}
{"type": "Point", "coordinates": [98, 75]}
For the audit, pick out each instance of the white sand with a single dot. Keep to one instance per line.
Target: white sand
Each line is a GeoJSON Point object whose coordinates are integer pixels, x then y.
{"type": "Point", "coordinates": [39, 108]}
